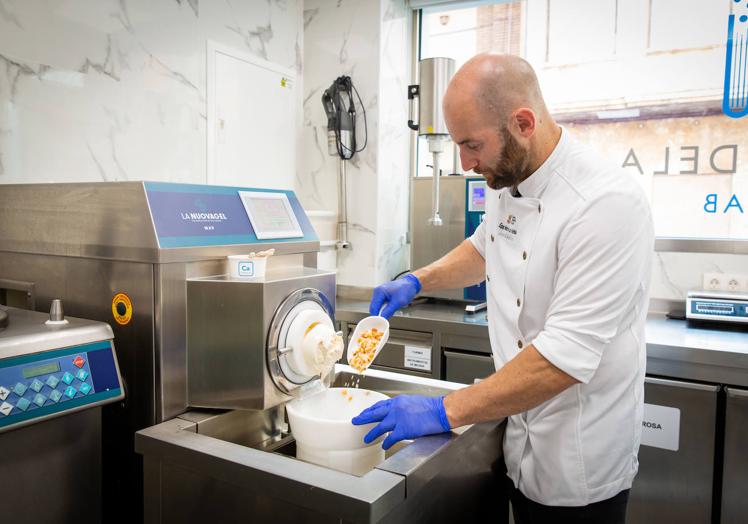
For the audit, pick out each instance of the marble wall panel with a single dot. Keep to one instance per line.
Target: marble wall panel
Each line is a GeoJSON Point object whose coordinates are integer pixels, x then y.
{"type": "Point", "coordinates": [394, 151]}
{"type": "Point", "coordinates": [94, 90]}
{"type": "Point", "coordinates": [343, 38]}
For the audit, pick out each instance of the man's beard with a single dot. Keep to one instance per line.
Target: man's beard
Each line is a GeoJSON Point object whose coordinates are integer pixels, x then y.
{"type": "Point", "coordinates": [512, 166]}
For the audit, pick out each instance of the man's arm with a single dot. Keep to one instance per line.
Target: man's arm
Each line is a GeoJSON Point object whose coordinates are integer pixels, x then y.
{"type": "Point", "coordinates": [462, 267]}
{"type": "Point", "coordinates": [524, 382]}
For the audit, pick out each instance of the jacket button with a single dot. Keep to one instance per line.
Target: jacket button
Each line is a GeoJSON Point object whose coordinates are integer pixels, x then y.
{"type": "Point", "coordinates": [538, 208]}
{"type": "Point", "coordinates": [518, 302]}
{"type": "Point", "coordinates": [491, 238]}
{"type": "Point", "coordinates": [524, 255]}
{"type": "Point", "coordinates": [488, 278]}
{"type": "Point", "coordinates": [519, 344]}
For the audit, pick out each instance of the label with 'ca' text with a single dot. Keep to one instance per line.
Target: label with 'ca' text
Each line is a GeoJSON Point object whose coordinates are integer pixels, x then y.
{"type": "Point", "coordinates": [661, 427]}
{"type": "Point", "coordinates": [418, 358]}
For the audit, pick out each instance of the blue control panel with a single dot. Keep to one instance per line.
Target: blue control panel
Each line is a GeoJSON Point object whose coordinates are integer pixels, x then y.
{"type": "Point", "coordinates": [475, 208]}
{"type": "Point", "coordinates": [720, 309]}
{"type": "Point", "coordinates": [51, 383]}
{"type": "Point", "coordinates": [193, 215]}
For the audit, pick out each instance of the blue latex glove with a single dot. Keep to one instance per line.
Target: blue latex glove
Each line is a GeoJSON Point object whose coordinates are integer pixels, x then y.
{"type": "Point", "coordinates": [406, 416]}
{"type": "Point", "coordinates": [394, 295]}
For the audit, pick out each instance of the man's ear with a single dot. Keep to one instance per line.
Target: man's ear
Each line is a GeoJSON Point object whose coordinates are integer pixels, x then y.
{"type": "Point", "coordinates": [524, 121]}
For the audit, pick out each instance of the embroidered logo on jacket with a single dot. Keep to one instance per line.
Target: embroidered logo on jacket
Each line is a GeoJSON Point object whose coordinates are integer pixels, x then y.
{"type": "Point", "coordinates": [507, 229]}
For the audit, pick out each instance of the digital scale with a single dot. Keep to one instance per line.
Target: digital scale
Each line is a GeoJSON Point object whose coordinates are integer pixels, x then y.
{"type": "Point", "coordinates": [717, 306]}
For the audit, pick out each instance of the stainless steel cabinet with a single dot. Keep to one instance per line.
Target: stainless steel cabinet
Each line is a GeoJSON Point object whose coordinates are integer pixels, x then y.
{"type": "Point", "coordinates": [466, 367]}
{"type": "Point", "coordinates": [676, 486]}
{"type": "Point", "coordinates": [735, 472]}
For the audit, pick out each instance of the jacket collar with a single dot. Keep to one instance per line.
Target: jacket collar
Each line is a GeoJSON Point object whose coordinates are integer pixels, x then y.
{"type": "Point", "coordinates": [534, 185]}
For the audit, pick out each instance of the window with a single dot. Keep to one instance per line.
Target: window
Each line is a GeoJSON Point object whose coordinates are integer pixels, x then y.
{"type": "Point", "coordinates": [641, 82]}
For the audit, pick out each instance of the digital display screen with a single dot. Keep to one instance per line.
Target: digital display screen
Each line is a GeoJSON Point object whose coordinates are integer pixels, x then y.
{"type": "Point", "coordinates": [271, 215]}
{"type": "Point", "coordinates": [43, 369]}
{"type": "Point", "coordinates": [477, 196]}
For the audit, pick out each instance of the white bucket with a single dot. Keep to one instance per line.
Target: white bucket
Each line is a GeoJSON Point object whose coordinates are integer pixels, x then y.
{"type": "Point", "coordinates": [321, 425]}
{"type": "Point", "coordinates": [244, 266]}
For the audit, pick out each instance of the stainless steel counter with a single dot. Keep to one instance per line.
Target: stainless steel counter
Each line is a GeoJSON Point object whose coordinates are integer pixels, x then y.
{"type": "Point", "coordinates": [675, 348]}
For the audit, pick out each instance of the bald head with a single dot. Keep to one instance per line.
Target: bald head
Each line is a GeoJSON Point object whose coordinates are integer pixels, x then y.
{"type": "Point", "coordinates": [496, 115]}
{"type": "Point", "coordinates": [493, 86]}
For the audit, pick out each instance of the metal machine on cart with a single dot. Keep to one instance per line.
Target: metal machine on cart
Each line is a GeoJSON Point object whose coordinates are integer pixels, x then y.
{"type": "Point", "coordinates": [55, 374]}
{"type": "Point", "coordinates": [122, 253]}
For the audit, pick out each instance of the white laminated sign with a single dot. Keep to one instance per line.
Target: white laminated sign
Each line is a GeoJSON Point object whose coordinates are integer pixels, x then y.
{"type": "Point", "coordinates": [661, 427]}
{"type": "Point", "coordinates": [418, 358]}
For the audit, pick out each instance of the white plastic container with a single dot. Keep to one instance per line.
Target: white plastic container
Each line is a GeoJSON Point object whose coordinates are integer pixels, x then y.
{"type": "Point", "coordinates": [244, 266]}
{"type": "Point", "coordinates": [321, 425]}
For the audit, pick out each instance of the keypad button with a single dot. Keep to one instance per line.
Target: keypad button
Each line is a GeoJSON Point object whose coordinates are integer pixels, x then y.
{"type": "Point", "coordinates": [67, 378]}
{"type": "Point", "coordinates": [37, 385]}
{"type": "Point", "coordinates": [19, 389]}
{"type": "Point", "coordinates": [85, 388]}
{"type": "Point", "coordinates": [40, 399]}
{"type": "Point", "coordinates": [70, 391]}
{"type": "Point", "coordinates": [52, 381]}
{"type": "Point", "coordinates": [4, 392]}
{"type": "Point", "coordinates": [6, 408]}
{"type": "Point", "coordinates": [79, 362]}
{"type": "Point", "coordinates": [55, 396]}
{"type": "Point", "coordinates": [82, 375]}
{"type": "Point", "coordinates": [23, 404]}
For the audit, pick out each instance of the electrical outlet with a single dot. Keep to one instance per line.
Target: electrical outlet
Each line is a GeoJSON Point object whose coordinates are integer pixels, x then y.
{"type": "Point", "coordinates": [725, 282]}
{"type": "Point", "coordinates": [714, 282]}
{"type": "Point", "coordinates": [737, 282]}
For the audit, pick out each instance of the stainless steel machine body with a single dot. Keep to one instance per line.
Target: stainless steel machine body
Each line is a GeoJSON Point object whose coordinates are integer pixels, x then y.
{"type": "Point", "coordinates": [237, 465]}
{"type": "Point", "coordinates": [434, 76]}
{"type": "Point", "coordinates": [459, 217]}
{"type": "Point", "coordinates": [122, 253]}
{"type": "Point", "coordinates": [54, 378]}
{"type": "Point", "coordinates": [235, 336]}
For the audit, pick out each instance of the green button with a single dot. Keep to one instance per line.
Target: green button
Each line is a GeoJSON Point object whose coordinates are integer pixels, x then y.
{"type": "Point", "coordinates": [20, 389]}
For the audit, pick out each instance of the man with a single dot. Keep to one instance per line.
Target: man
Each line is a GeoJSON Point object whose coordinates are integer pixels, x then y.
{"type": "Point", "coordinates": [565, 249]}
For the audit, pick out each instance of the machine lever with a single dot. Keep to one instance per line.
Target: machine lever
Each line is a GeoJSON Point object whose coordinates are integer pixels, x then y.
{"type": "Point", "coordinates": [283, 351]}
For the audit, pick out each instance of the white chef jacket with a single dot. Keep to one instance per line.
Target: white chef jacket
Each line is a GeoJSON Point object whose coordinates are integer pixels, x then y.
{"type": "Point", "coordinates": [567, 270]}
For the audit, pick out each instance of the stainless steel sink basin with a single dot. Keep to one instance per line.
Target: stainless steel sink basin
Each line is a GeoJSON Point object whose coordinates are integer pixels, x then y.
{"type": "Point", "coordinates": [237, 464]}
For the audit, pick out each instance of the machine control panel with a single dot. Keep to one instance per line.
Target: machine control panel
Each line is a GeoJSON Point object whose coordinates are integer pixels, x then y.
{"type": "Point", "coordinates": [48, 384]}
{"type": "Point", "coordinates": [475, 209]}
{"type": "Point", "coordinates": [190, 215]}
{"type": "Point", "coordinates": [717, 306]}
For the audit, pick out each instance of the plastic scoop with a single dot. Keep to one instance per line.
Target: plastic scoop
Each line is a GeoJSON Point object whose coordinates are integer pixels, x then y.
{"type": "Point", "coordinates": [367, 341]}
